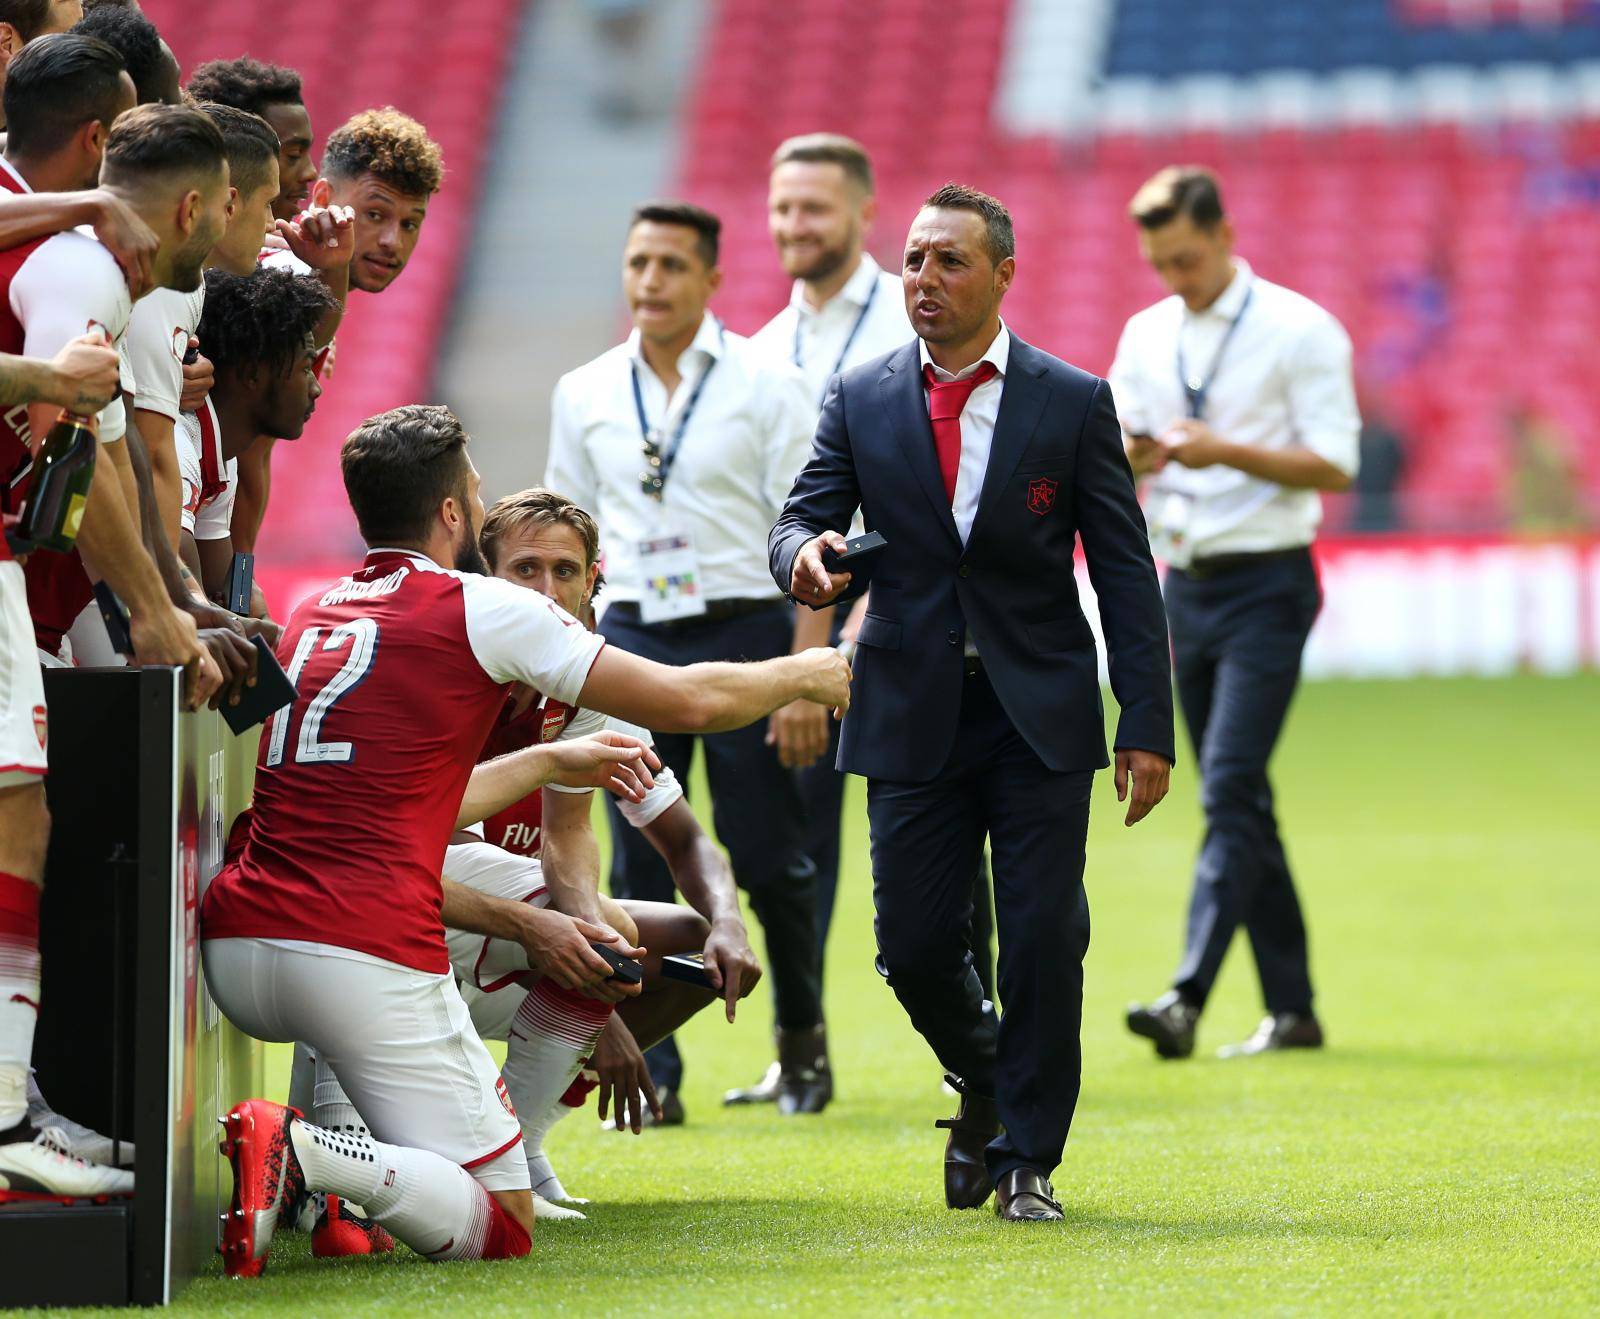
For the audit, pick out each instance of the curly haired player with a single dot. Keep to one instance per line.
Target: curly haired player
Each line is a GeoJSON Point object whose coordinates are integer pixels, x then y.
{"type": "Point", "coordinates": [257, 329]}
{"type": "Point", "coordinates": [384, 166]}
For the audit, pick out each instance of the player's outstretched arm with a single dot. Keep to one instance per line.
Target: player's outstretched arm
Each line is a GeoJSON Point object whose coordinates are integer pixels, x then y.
{"type": "Point", "coordinates": [712, 698]}
{"type": "Point", "coordinates": [613, 761]}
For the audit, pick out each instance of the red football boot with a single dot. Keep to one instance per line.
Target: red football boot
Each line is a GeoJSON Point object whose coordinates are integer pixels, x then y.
{"type": "Point", "coordinates": [340, 1232]}
{"type": "Point", "coordinates": [267, 1181]}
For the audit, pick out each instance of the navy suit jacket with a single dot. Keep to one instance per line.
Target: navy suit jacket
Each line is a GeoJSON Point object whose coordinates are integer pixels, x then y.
{"type": "Point", "coordinates": [1057, 473]}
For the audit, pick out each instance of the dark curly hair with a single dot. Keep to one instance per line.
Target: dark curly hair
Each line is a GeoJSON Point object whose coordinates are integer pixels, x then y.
{"type": "Point", "coordinates": [392, 147]}
{"type": "Point", "coordinates": [261, 318]}
{"type": "Point", "coordinates": [134, 37]}
{"type": "Point", "coordinates": [246, 84]}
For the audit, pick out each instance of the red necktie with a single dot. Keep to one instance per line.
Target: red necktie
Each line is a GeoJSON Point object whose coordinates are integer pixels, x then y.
{"type": "Point", "coordinates": [947, 400]}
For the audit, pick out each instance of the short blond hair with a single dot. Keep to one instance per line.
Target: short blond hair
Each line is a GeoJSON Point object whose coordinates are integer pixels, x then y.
{"type": "Point", "coordinates": [537, 507]}
{"type": "Point", "coordinates": [828, 149]}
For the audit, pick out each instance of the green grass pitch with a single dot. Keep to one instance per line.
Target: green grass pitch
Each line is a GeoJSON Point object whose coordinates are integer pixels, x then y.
{"type": "Point", "coordinates": [1442, 1156]}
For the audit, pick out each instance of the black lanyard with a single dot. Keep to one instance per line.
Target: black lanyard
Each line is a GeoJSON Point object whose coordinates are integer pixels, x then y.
{"type": "Point", "coordinates": [1195, 391]}
{"type": "Point", "coordinates": [850, 339]}
{"type": "Point", "coordinates": [659, 460]}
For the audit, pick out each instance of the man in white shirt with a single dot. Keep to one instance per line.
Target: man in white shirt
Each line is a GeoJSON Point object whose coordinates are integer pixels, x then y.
{"type": "Point", "coordinates": [1238, 404]}
{"type": "Point", "coordinates": [683, 442]}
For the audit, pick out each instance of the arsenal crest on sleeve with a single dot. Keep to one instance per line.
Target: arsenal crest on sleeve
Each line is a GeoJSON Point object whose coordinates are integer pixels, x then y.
{"type": "Point", "coordinates": [1041, 495]}
{"type": "Point", "coordinates": [41, 725]}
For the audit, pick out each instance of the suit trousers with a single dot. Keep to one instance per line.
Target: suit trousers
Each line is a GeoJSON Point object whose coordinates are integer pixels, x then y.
{"type": "Point", "coordinates": [927, 846]}
{"type": "Point", "coordinates": [755, 807]}
{"type": "Point", "coordinates": [1237, 638]}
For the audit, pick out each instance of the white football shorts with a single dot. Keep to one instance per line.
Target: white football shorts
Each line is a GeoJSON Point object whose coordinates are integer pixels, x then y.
{"type": "Point", "coordinates": [24, 724]}
{"type": "Point", "coordinates": [400, 1041]}
{"type": "Point", "coordinates": [494, 973]}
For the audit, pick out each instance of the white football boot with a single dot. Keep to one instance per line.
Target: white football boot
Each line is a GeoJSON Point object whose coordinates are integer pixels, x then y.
{"type": "Point", "coordinates": [41, 1169]}
{"type": "Point", "coordinates": [76, 1139]}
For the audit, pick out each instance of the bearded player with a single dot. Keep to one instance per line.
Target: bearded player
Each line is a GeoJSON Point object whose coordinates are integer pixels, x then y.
{"type": "Point", "coordinates": [542, 541]}
{"type": "Point", "coordinates": [324, 924]}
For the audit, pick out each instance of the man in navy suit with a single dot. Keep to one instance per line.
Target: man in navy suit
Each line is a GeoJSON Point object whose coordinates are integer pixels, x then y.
{"type": "Point", "coordinates": [976, 709]}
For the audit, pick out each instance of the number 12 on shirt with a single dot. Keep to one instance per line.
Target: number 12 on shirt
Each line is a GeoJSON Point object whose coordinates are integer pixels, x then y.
{"type": "Point", "coordinates": [361, 636]}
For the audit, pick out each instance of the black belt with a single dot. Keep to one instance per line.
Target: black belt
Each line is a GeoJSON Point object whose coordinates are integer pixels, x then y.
{"type": "Point", "coordinates": [1217, 564]}
{"type": "Point", "coordinates": [717, 611]}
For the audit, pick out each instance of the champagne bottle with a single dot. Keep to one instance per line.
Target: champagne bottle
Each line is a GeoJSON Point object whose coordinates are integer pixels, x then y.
{"type": "Point", "coordinates": [58, 491]}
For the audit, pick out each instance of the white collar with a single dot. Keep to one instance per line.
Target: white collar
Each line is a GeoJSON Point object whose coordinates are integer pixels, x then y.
{"type": "Point", "coordinates": [856, 291]}
{"type": "Point", "coordinates": [999, 352]}
{"type": "Point", "coordinates": [1230, 302]}
{"type": "Point", "coordinates": [417, 556]}
{"type": "Point", "coordinates": [12, 170]}
{"type": "Point", "coordinates": [708, 339]}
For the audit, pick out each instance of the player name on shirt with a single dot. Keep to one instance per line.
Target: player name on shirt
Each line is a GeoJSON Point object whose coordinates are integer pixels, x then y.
{"type": "Point", "coordinates": [401, 669]}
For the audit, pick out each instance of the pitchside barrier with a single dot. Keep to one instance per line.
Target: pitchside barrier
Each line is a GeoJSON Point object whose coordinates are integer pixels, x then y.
{"type": "Point", "coordinates": [129, 1041]}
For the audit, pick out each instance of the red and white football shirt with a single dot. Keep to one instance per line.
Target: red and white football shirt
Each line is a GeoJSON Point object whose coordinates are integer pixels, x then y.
{"type": "Point", "coordinates": [51, 291]}
{"type": "Point", "coordinates": [400, 669]}
{"type": "Point", "coordinates": [519, 827]}
{"type": "Point", "coordinates": [208, 480]}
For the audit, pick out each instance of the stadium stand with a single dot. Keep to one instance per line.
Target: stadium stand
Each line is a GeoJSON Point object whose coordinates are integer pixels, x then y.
{"type": "Point", "coordinates": [353, 58]}
{"type": "Point", "coordinates": [1427, 169]}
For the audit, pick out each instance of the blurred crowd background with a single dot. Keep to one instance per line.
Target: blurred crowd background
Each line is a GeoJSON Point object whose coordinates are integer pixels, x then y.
{"type": "Point", "coordinates": [1429, 170]}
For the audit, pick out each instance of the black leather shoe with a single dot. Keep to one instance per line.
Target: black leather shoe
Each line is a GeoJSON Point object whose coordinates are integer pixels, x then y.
{"type": "Point", "coordinates": [805, 1081]}
{"type": "Point", "coordinates": [1169, 1022]}
{"type": "Point", "coordinates": [1024, 1196]}
{"type": "Point", "coordinates": [1281, 1030]}
{"type": "Point", "coordinates": [976, 1123]}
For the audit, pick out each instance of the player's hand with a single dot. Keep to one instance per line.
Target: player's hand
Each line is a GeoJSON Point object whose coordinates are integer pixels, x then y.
{"type": "Point", "coordinates": [809, 582]}
{"type": "Point", "coordinates": [614, 761]}
{"type": "Point", "coordinates": [328, 354]}
{"type": "Point", "coordinates": [826, 678]}
{"type": "Point", "coordinates": [558, 947]}
{"type": "Point", "coordinates": [624, 1077]}
{"type": "Point", "coordinates": [800, 732]}
{"type": "Point", "coordinates": [167, 635]}
{"type": "Point", "coordinates": [128, 238]}
{"type": "Point", "coordinates": [731, 964]}
{"type": "Point", "coordinates": [198, 377]}
{"type": "Point", "coordinates": [236, 660]}
{"type": "Point", "coordinates": [84, 376]}
{"type": "Point", "coordinates": [1193, 444]}
{"type": "Point", "coordinates": [324, 237]}
{"type": "Point", "coordinates": [1146, 455]}
{"type": "Point", "coordinates": [1150, 775]}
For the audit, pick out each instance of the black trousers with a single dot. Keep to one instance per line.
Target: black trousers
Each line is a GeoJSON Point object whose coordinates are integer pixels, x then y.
{"type": "Point", "coordinates": [927, 844]}
{"type": "Point", "coordinates": [822, 794]}
{"type": "Point", "coordinates": [756, 809]}
{"type": "Point", "coordinates": [1237, 638]}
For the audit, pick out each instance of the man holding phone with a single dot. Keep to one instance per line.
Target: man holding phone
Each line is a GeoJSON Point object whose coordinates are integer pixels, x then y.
{"type": "Point", "coordinates": [982, 461]}
{"type": "Point", "coordinates": [1239, 403]}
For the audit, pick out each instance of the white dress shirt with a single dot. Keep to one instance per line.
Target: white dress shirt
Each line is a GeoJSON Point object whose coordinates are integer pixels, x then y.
{"type": "Point", "coordinates": [977, 425]}
{"type": "Point", "coordinates": [747, 439]}
{"type": "Point", "coordinates": [1284, 381]}
{"type": "Point", "coordinates": [818, 340]}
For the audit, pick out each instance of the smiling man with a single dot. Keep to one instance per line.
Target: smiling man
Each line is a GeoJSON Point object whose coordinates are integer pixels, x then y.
{"type": "Point", "coordinates": [273, 92]}
{"type": "Point", "coordinates": [983, 462]}
{"type": "Point", "coordinates": [382, 165]}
